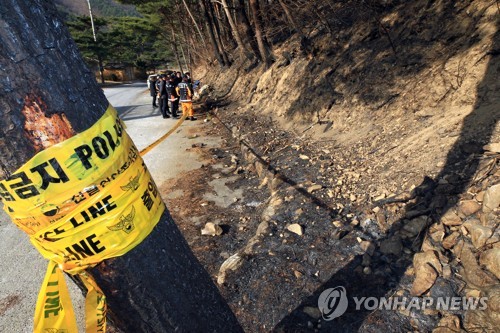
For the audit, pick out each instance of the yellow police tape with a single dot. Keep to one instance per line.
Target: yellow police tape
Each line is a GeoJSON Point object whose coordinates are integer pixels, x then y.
{"type": "Point", "coordinates": [163, 137]}
{"type": "Point", "coordinates": [83, 200]}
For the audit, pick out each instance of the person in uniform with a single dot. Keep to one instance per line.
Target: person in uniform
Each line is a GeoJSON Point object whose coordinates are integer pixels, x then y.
{"type": "Point", "coordinates": [185, 98]}
{"type": "Point", "coordinates": [173, 97]}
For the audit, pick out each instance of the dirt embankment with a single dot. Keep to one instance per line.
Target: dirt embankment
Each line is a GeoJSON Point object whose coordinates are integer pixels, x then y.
{"type": "Point", "coordinates": [370, 163]}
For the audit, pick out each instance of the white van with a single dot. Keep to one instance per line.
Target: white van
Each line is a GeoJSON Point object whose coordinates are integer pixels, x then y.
{"type": "Point", "coordinates": [151, 78]}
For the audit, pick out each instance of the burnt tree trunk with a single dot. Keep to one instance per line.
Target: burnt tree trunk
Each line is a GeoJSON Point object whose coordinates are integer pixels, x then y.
{"type": "Point", "coordinates": [262, 45]}
{"type": "Point", "coordinates": [305, 43]}
{"type": "Point", "coordinates": [158, 286]}
{"type": "Point", "coordinates": [237, 36]}
{"type": "Point", "coordinates": [218, 32]}
{"type": "Point", "coordinates": [210, 29]}
{"type": "Point", "coordinates": [195, 23]}
{"type": "Point", "coordinates": [176, 52]}
{"type": "Point", "coordinates": [244, 25]}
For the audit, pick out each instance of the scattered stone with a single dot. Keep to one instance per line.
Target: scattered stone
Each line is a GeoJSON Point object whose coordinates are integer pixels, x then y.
{"type": "Point", "coordinates": [427, 268]}
{"type": "Point", "coordinates": [489, 219]}
{"type": "Point", "coordinates": [447, 271]}
{"type": "Point", "coordinates": [339, 233]}
{"type": "Point", "coordinates": [431, 312]}
{"type": "Point", "coordinates": [259, 167]}
{"type": "Point", "coordinates": [211, 229]}
{"type": "Point", "coordinates": [275, 201]}
{"type": "Point", "coordinates": [367, 260]}
{"type": "Point", "coordinates": [486, 320]}
{"type": "Point", "coordinates": [367, 247]}
{"type": "Point", "coordinates": [268, 213]}
{"type": "Point", "coordinates": [451, 219]}
{"type": "Point", "coordinates": [471, 271]}
{"type": "Point", "coordinates": [232, 263]}
{"type": "Point", "coordinates": [450, 241]}
{"type": "Point", "coordinates": [392, 245]}
{"type": "Point", "coordinates": [469, 207]}
{"type": "Point", "coordinates": [427, 245]}
{"type": "Point", "coordinates": [262, 228]}
{"type": "Point", "coordinates": [296, 229]}
{"type": "Point", "coordinates": [448, 324]}
{"type": "Point", "coordinates": [473, 293]}
{"type": "Point", "coordinates": [314, 188]}
{"type": "Point", "coordinates": [478, 233]}
{"type": "Point", "coordinates": [437, 232]}
{"type": "Point", "coordinates": [264, 183]}
{"type": "Point", "coordinates": [312, 312]}
{"type": "Point", "coordinates": [275, 183]}
{"type": "Point", "coordinates": [338, 224]}
{"type": "Point", "coordinates": [491, 198]}
{"type": "Point", "coordinates": [439, 201]}
{"type": "Point", "coordinates": [442, 288]}
{"type": "Point", "coordinates": [491, 260]}
{"type": "Point", "coordinates": [381, 221]}
{"type": "Point", "coordinates": [367, 270]}
{"type": "Point", "coordinates": [493, 147]}
{"type": "Point", "coordinates": [415, 226]}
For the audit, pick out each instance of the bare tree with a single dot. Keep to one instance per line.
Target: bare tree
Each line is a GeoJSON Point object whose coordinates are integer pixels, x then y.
{"type": "Point", "coordinates": [210, 28]}
{"type": "Point", "coordinates": [195, 23]}
{"type": "Point", "coordinates": [234, 29]}
{"type": "Point", "coordinates": [263, 48]}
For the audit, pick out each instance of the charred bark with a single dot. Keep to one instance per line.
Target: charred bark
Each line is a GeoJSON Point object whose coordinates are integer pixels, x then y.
{"type": "Point", "coordinates": [195, 23]}
{"type": "Point", "coordinates": [244, 24]}
{"type": "Point", "coordinates": [237, 36]}
{"type": "Point", "coordinates": [219, 33]}
{"type": "Point", "coordinates": [209, 24]}
{"type": "Point", "coordinates": [304, 41]}
{"type": "Point", "coordinates": [158, 286]}
{"type": "Point", "coordinates": [176, 52]}
{"type": "Point", "coordinates": [261, 42]}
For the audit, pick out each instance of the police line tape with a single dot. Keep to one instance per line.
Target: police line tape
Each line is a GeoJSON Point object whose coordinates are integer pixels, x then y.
{"type": "Point", "coordinates": [84, 200]}
{"type": "Point", "coordinates": [163, 137]}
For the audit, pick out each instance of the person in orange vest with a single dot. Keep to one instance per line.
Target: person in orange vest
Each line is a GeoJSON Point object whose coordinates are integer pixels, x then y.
{"type": "Point", "coordinates": [185, 97]}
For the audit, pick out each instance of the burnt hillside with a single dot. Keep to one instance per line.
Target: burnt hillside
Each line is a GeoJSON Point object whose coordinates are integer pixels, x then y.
{"type": "Point", "coordinates": [375, 128]}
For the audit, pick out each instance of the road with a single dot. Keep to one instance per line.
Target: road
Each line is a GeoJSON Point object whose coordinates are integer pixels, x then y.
{"type": "Point", "coordinates": [23, 268]}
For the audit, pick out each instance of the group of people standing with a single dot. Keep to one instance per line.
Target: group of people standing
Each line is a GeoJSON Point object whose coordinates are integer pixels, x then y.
{"type": "Point", "coordinates": [171, 90]}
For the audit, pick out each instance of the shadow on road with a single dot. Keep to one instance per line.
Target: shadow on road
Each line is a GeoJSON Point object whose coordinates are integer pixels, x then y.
{"type": "Point", "coordinates": [134, 112]}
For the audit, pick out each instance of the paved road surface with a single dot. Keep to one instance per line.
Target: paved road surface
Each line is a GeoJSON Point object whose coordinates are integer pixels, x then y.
{"type": "Point", "coordinates": [22, 268]}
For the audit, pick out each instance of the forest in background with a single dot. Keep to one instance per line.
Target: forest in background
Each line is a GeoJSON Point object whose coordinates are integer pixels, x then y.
{"type": "Point", "coordinates": [102, 8]}
{"type": "Point", "coordinates": [204, 32]}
